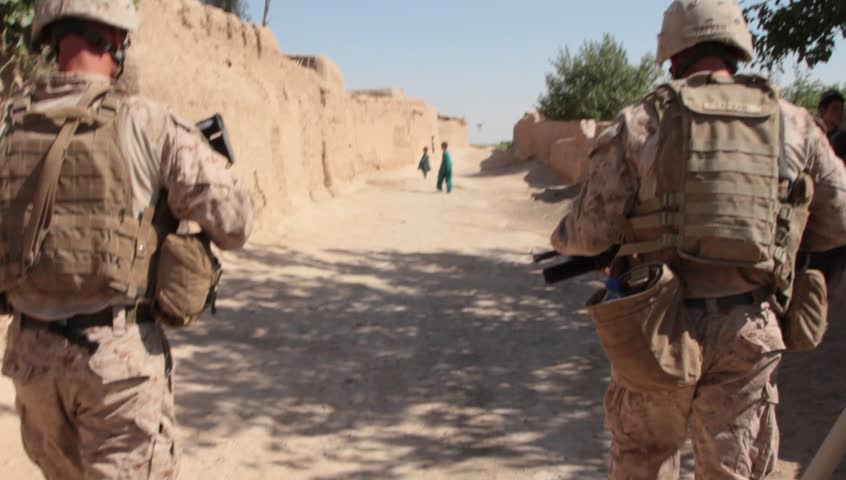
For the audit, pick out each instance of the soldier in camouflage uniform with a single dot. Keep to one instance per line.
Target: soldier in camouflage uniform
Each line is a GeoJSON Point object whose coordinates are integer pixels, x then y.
{"type": "Point", "coordinates": [92, 390]}
{"type": "Point", "coordinates": [729, 413]}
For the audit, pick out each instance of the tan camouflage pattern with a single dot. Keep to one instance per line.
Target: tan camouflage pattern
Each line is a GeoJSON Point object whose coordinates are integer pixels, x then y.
{"type": "Point", "coordinates": [120, 14]}
{"type": "Point", "coordinates": [164, 152]}
{"type": "Point", "coordinates": [109, 415]}
{"type": "Point", "coordinates": [730, 413]}
{"type": "Point", "coordinates": [691, 22]}
{"type": "Point", "coordinates": [619, 173]}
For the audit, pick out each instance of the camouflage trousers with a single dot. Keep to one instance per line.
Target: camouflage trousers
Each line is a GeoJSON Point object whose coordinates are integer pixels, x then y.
{"type": "Point", "coordinates": [102, 415]}
{"type": "Point", "coordinates": [729, 414]}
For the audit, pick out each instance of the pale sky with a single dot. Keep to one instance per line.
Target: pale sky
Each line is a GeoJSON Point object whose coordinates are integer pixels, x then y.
{"type": "Point", "coordinates": [484, 60]}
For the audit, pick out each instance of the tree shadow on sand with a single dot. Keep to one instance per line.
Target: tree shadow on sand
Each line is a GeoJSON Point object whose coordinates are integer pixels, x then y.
{"type": "Point", "coordinates": [491, 362]}
{"type": "Point", "coordinates": [813, 394]}
{"type": "Point", "coordinates": [538, 175]}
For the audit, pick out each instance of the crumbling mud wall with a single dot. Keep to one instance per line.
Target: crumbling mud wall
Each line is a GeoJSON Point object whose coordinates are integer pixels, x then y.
{"type": "Point", "coordinates": [564, 145]}
{"type": "Point", "coordinates": [298, 134]}
{"type": "Point", "coordinates": [453, 130]}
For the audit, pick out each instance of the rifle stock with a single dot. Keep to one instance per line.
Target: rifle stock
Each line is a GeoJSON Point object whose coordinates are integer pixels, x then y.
{"type": "Point", "coordinates": [540, 257]}
{"type": "Point", "coordinates": [577, 266]}
{"type": "Point", "coordinates": [215, 132]}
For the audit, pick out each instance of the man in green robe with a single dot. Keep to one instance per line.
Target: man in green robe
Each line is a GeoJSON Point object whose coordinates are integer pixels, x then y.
{"type": "Point", "coordinates": [445, 172]}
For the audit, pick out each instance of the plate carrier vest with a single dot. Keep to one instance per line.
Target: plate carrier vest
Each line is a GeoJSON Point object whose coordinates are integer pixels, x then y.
{"type": "Point", "coordinates": [66, 222]}
{"type": "Point", "coordinates": [724, 195]}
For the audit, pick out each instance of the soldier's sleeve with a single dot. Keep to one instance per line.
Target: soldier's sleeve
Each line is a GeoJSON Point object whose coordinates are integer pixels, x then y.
{"type": "Point", "coordinates": [597, 219]}
{"type": "Point", "coordinates": [826, 227]}
{"type": "Point", "coordinates": [200, 188]}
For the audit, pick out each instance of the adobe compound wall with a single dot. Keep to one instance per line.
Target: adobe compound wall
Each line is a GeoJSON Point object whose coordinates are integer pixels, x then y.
{"type": "Point", "coordinates": [298, 134]}
{"type": "Point", "coordinates": [453, 130]}
{"type": "Point", "coordinates": [564, 145]}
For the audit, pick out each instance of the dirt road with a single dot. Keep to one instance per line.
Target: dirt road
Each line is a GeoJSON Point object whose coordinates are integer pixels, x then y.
{"type": "Point", "coordinates": [398, 333]}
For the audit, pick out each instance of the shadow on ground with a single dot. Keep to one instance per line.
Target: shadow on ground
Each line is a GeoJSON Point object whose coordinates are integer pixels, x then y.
{"type": "Point", "coordinates": [557, 194]}
{"type": "Point", "coordinates": [476, 350]}
{"type": "Point", "coordinates": [537, 173]}
{"type": "Point", "coordinates": [813, 394]}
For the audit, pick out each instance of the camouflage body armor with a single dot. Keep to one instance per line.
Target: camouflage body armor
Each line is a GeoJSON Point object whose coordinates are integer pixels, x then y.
{"type": "Point", "coordinates": [723, 196]}
{"type": "Point", "coordinates": [85, 240]}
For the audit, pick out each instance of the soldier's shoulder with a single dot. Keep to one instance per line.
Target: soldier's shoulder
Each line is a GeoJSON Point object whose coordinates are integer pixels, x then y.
{"type": "Point", "coordinates": [796, 117]}
{"type": "Point", "coordinates": [149, 114]}
{"type": "Point", "coordinates": [633, 125]}
{"type": "Point", "coordinates": [640, 119]}
{"type": "Point", "coordinates": [630, 125]}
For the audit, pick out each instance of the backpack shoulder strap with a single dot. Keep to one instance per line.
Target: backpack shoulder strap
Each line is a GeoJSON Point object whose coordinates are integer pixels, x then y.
{"type": "Point", "coordinates": [44, 196]}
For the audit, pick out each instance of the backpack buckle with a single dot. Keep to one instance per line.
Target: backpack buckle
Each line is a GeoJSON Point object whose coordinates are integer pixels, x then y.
{"type": "Point", "coordinates": [782, 237]}
{"type": "Point", "coordinates": [785, 214]}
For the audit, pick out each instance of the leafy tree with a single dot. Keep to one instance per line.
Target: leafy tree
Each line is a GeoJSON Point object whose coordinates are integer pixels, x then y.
{"type": "Point", "coordinates": [806, 92]}
{"type": "Point", "coordinates": [596, 83]}
{"type": "Point", "coordinates": [807, 28]}
{"type": "Point", "coordinates": [18, 64]}
{"type": "Point", "coordinates": [16, 61]}
{"type": "Point", "coordinates": [238, 7]}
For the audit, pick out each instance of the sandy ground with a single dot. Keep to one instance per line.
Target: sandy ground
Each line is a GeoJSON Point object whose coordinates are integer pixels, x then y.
{"type": "Point", "coordinates": [399, 333]}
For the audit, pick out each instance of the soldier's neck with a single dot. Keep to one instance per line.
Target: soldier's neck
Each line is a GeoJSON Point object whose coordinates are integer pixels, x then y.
{"type": "Point", "coordinates": [715, 65]}
{"type": "Point", "coordinates": [78, 57]}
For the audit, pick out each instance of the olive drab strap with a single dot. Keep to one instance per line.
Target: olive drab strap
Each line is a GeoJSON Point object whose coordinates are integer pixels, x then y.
{"type": "Point", "coordinates": [43, 199]}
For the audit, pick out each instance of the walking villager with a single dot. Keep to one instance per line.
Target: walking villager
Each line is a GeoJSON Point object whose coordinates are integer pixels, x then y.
{"type": "Point", "coordinates": [445, 170]}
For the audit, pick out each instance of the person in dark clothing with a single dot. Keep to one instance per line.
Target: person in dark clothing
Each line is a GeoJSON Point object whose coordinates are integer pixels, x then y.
{"type": "Point", "coordinates": [424, 162]}
{"type": "Point", "coordinates": [838, 143]}
{"type": "Point", "coordinates": [830, 111]}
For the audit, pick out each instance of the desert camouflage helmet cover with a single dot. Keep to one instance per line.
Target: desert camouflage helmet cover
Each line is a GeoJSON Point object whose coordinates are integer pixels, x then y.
{"type": "Point", "coordinates": [690, 22]}
{"type": "Point", "coordinates": [120, 14]}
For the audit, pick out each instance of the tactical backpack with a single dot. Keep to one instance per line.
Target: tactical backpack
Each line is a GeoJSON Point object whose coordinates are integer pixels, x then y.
{"type": "Point", "coordinates": [724, 196]}
{"type": "Point", "coordinates": [724, 193]}
{"type": "Point", "coordinates": [66, 223]}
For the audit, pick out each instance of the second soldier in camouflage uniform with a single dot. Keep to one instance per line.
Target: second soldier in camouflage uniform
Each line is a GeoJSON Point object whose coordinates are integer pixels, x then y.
{"type": "Point", "coordinates": [729, 413]}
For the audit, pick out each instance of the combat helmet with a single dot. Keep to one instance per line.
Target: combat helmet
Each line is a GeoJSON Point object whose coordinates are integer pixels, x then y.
{"type": "Point", "coordinates": [120, 14]}
{"type": "Point", "coordinates": [691, 22]}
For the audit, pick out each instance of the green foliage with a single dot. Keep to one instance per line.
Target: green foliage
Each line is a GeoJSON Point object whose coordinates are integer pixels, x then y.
{"type": "Point", "coordinates": [807, 28]}
{"type": "Point", "coordinates": [806, 92]}
{"type": "Point", "coordinates": [16, 61]}
{"type": "Point", "coordinates": [238, 7]}
{"type": "Point", "coordinates": [18, 65]}
{"type": "Point", "coordinates": [597, 83]}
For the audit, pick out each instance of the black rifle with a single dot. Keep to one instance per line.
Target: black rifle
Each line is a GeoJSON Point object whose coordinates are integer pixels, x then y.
{"type": "Point", "coordinates": [574, 266]}
{"type": "Point", "coordinates": [215, 132]}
